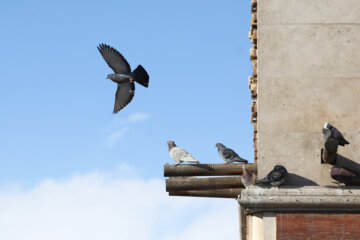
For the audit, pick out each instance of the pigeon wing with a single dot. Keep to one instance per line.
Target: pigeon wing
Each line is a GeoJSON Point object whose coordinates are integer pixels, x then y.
{"type": "Point", "coordinates": [178, 154]}
{"type": "Point", "coordinates": [124, 94]}
{"type": "Point", "coordinates": [114, 59]}
{"type": "Point", "coordinates": [229, 153]}
{"type": "Point", "coordinates": [264, 180]}
{"type": "Point", "coordinates": [338, 136]}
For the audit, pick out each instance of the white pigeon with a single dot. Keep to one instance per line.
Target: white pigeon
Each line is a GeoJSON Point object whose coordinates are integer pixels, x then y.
{"type": "Point", "coordinates": [248, 178]}
{"type": "Point", "coordinates": [180, 155]}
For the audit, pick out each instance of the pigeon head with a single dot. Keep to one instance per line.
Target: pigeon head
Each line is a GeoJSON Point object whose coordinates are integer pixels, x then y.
{"type": "Point", "coordinates": [279, 167]}
{"type": "Point", "coordinates": [171, 144]}
{"type": "Point", "coordinates": [326, 133]}
{"type": "Point", "coordinates": [110, 76]}
{"type": "Point", "coordinates": [219, 145]}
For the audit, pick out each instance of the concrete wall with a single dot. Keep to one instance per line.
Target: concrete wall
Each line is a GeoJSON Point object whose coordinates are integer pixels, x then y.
{"type": "Point", "coordinates": [308, 74]}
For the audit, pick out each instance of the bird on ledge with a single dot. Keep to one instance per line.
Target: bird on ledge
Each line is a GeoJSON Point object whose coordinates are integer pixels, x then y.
{"type": "Point", "coordinates": [331, 132]}
{"type": "Point", "coordinates": [180, 155]}
{"type": "Point", "coordinates": [275, 178]}
{"type": "Point", "coordinates": [228, 155]}
{"type": "Point", "coordinates": [248, 178]}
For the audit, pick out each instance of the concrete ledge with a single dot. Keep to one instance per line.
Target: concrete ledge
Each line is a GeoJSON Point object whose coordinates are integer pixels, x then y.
{"type": "Point", "coordinates": [314, 198]}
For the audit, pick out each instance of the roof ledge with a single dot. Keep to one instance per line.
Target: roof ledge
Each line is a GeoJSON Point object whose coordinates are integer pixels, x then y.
{"type": "Point", "coordinates": [309, 198]}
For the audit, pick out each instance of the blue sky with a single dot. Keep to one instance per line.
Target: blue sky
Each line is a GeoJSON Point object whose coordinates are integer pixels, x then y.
{"type": "Point", "coordinates": [57, 120]}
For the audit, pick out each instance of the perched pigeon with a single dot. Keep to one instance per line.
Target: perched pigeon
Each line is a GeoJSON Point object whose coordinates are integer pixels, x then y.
{"type": "Point", "coordinates": [343, 175]}
{"type": "Point", "coordinates": [332, 132]}
{"type": "Point", "coordinates": [123, 76]}
{"type": "Point", "coordinates": [276, 177]}
{"type": "Point", "coordinates": [229, 155]}
{"type": "Point", "coordinates": [180, 155]}
{"type": "Point", "coordinates": [248, 178]}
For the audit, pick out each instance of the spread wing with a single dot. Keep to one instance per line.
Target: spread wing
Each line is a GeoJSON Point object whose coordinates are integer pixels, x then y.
{"type": "Point", "coordinates": [114, 59]}
{"type": "Point", "coordinates": [124, 94]}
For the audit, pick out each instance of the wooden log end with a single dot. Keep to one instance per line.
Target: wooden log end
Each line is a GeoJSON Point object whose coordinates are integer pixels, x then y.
{"type": "Point", "coordinates": [222, 193]}
{"type": "Point", "coordinates": [214, 183]}
{"type": "Point", "coordinates": [219, 169]}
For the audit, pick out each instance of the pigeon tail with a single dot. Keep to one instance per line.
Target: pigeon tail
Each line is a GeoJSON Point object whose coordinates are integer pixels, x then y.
{"type": "Point", "coordinates": [190, 159]}
{"type": "Point", "coordinates": [343, 142]}
{"type": "Point", "coordinates": [240, 160]}
{"type": "Point", "coordinates": [141, 76]}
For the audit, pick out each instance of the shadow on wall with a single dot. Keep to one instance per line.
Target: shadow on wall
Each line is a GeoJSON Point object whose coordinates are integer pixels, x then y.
{"type": "Point", "coordinates": [344, 162]}
{"type": "Point", "coordinates": [298, 181]}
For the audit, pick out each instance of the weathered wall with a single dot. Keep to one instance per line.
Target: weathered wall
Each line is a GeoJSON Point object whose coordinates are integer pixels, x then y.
{"type": "Point", "coordinates": [308, 74]}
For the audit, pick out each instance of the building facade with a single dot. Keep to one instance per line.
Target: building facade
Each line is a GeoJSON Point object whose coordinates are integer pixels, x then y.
{"type": "Point", "coordinates": [307, 73]}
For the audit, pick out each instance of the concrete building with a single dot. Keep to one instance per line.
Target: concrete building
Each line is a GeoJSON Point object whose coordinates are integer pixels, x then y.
{"type": "Point", "coordinates": [306, 57]}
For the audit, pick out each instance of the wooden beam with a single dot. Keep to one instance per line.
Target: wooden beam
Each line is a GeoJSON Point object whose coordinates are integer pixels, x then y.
{"type": "Point", "coordinates": [219, 193]}
{"type": "Point", "coordinates": [191, 183]}
{"type": "Point", "coordinates": [220, 169]}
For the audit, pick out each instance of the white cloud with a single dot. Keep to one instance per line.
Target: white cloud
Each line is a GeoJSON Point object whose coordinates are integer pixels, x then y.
{"type": "Point", "coordinates": [137, 117]}
{"type": "Point", "coordinates": [132, 118]}
{"type": "Point", "coordinates": [115, 136]}
{"type": "Point", "coordinates": [120, 127]}
{"type": "Point", "coordinates": [107, 206]}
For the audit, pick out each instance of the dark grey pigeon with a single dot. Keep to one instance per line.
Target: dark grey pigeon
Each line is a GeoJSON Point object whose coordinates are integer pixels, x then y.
{"type": "Point", "coordinates": [122, 76]}
{"type": "Point", "coordinates": [330, 131]}
{"type": "Point", "coordinates": [229, 155]}
{"type": "Point", "coordinates": [276, 177]}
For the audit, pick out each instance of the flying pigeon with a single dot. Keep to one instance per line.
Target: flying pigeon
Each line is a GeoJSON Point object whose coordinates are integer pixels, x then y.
{"type": "Point", "coordinates": [248, 178]}
{"type": "Point", "coordinates": [276, 177]}
{"type": "Point", "coordinates": [343, 175]}
{"type": "Point", "coordinates": [332, 132]}
{"type": "Point", "coordinates": [122, 76]}
{"type": "Point", "coordinates": [180, 155]}
{"type": "Point", "coordinates": [229, 155]}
